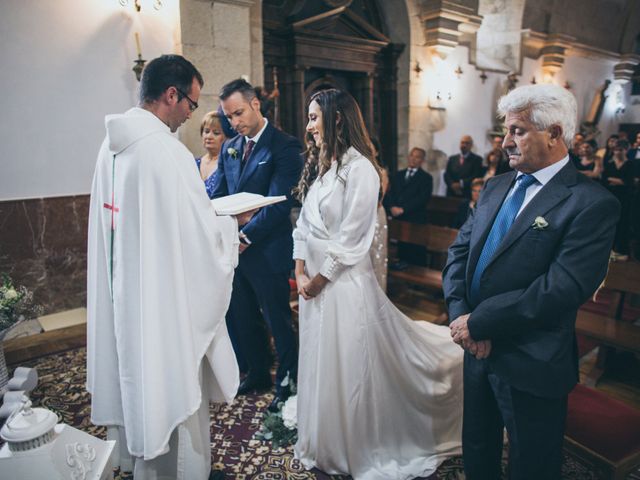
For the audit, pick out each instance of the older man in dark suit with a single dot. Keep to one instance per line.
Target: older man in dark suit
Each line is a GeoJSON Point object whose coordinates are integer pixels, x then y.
{"type": "Point", "coordinates": [535, 248]}
{"type": "Point", "coordinates": [407, 200]}
{"type": "Point", "coordinates": [260, 159]}
{"type": "Point", "coordinates": [462, 169]}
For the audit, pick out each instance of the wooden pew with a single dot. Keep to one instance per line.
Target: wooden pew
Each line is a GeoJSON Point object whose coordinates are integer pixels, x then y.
{"type": "Point", "coordinates": [442, 210]}
{"type": "Point", "coordinates": [601, 430]}
{"type": "Point", "coordinates": [611, 330]}
{"type": "Point", "coordinates": [435, 239]}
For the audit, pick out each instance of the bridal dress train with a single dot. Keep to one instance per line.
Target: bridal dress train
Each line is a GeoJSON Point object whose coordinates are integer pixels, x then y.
{"type": "Point", "coordinates": [379, 395]}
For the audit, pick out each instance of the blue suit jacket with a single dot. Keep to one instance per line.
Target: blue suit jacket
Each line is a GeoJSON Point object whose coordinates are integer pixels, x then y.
{"type": "Point", "coordinates": [533, 286]}
{"type": "Point", "coordinates": [274, 168]}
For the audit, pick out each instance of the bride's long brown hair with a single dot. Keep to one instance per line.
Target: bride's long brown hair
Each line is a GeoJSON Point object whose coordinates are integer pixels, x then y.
{"type": "Point", "coordinates": [343, 127]}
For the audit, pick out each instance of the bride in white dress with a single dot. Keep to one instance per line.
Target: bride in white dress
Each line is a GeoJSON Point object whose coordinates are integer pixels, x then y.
{"type": "Point", "coordinates": [379, 395]}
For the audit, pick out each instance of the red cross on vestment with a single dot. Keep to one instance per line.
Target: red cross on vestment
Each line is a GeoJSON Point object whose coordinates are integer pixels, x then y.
{"type": "Point", "coordinates": [114, 210]}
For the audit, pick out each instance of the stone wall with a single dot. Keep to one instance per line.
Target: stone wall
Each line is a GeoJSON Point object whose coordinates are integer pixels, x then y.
{"type": "Point", "coordinates": [43, 246]}
{"type": "Point", "coordinates": [224, 40]}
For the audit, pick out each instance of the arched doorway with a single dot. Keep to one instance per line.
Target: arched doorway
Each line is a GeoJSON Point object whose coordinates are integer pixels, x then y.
{"type": "Point", "coordinates": [309, 45]}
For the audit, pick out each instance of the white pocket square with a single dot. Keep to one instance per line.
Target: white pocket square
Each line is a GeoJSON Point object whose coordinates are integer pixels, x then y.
{"type": "Point", "coordinates": [263, 162]}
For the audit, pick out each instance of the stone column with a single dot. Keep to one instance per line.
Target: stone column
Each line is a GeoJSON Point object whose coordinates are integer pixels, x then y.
{"type": "Point", "coordinates": [223, 39]}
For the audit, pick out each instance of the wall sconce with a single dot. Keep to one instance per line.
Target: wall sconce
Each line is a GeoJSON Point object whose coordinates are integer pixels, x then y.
{"type": "Point", "coordinates": [438, 102]}
{"type": "Point", "coordinates": [533, 80]}
{"type": "Point", "coordinates": [458, 71]}
{"type": "Point", "coordinates": [138, 65]}
{"type": "Point", "coordinates": [483, 76]}
{"type": "Point", "coordinates": [157, 4]}
{"type": "Point", "coordinates": [417, 69]}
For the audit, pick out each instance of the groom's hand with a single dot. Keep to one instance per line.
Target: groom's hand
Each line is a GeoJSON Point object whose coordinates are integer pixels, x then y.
{"type": "Point", "coordinates": [245, 217]}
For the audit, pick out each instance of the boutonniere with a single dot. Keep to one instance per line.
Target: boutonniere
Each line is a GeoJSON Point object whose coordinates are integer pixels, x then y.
{"type": "Point", "coordinates": [233, 152]}
{"type": "Point", "coordinates": [540, 223]}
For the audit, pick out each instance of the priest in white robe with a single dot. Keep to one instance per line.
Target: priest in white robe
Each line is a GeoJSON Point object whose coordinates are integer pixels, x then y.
{"type": "Point", "coordinates": [160, 269]}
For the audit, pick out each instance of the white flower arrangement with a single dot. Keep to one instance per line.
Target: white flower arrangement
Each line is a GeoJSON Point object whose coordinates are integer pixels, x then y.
{"type": "Point", "coordinates": [290, 413]}
{"type": "Point", "coordinates": [16, 304]}
{"type": "Point", "coordinates": [233, 152]}
{"type": "Point", "coordinates": [281, 427]}
{"type": "Point", "coordinates": [539, 223]}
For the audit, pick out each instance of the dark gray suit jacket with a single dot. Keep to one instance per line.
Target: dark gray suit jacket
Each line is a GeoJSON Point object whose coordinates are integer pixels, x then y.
{"type": "Point", "coordinates": [536, 281]}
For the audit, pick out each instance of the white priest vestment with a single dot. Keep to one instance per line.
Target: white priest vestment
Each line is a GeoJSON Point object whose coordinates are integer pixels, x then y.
{"type": "Point", "coordinates": [160, 269]}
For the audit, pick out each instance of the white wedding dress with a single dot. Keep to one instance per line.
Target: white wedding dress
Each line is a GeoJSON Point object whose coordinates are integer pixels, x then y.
{"type": "Point", "coordinates": [379, 395]}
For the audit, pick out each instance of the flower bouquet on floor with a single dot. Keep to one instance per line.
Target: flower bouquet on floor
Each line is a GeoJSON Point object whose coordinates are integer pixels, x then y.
{"type": "Point", "coordinates": [281, 427]}
{"type": "Point", "coordinates": [16, 304]}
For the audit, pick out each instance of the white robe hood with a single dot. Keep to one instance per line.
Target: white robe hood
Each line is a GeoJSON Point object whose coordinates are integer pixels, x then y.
{"type": "Point", "coordinates": [169, 263]}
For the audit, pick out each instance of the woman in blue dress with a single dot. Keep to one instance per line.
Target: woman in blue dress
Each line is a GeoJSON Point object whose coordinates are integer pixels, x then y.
{"type": "Point", "coordinates": [213, 137]}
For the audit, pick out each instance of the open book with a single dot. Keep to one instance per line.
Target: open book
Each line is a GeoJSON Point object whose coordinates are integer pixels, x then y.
{"type": "Point", "coordinates": [243, 202]}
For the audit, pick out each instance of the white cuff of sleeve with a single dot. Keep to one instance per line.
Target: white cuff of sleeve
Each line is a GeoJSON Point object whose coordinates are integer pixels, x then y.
{"type": "Point", "coordinates": [331, 268]}
{"type": "Point", "coordinates": [242, 235]}
{"type": "Point", "coordinates": [299, 250]}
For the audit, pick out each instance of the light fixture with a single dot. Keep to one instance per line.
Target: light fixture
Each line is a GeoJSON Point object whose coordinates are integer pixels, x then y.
{"type": "Point", "coordinates": [157, 4]}
{"type": "Point", "coordinates": [138, 65]}
{"type": "Point", "coordinates": [483, 76]}
{"type": "Point", "coordinates": [417, 69]}
{"type": "Point", "coordinates": [533, 80]}
{"type": "Point", "coordinates": [458, 71]}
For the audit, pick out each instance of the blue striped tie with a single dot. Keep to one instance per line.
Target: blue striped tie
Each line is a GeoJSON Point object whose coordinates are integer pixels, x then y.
{"type": "Point", "coordinates": [501, 225]}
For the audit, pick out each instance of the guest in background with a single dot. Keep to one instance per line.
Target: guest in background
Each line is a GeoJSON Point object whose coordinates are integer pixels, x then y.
{"type": "Point", "coordinates": [496, 145]}
{"type": "Point", "coordinates": [466, 208]}
{"type": "Point", "coordinates": [574, 151]}
{"type": "Point", "coordinates": [462, 169]}
{"type": "Point", "coordinates": [407, 200]}
{"type": "Point", "coordinates": [590, 164]}
{"type": "Point", "coordinates": [617, 176]}
{"type": "Point", "coordinates": [606, 152]}
{"type": "Point", "coordinates": [212, 139]}
{"type": "Point", "coordinates": [495, 165]}
{"type": "Point", "coordinates": [634, 152]}
{"type": "Point", "coordinates": [378, 250]}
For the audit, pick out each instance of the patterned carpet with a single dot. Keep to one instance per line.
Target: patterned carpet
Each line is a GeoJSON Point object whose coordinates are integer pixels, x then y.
{"type": "Point", "coordinates": [61, 389]}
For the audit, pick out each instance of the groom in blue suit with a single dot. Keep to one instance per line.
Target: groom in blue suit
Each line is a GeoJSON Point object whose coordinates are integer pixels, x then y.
{"type": "Point", "coordinates": [260, 159]}
{"type": "Point", "coordinates": [535, 248]}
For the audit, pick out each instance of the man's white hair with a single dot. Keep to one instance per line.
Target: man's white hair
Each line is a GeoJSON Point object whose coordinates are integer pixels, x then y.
{"type": "Point", "coordinates": [545, 105]}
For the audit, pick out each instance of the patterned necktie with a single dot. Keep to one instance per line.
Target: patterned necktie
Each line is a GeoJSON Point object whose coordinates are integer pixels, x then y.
{"type": "Point", "coordinates": [499, 229]}
{"type": "Point", "coordinates": [247, 152]}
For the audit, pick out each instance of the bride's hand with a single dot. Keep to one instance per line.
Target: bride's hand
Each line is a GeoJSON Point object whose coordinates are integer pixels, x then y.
{"type": "Point", "coordinates": [315, 286]}
{"type": "Point", "coordinates": [302, 281]}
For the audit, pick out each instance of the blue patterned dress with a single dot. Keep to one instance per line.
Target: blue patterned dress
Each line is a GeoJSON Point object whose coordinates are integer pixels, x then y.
{"type": "Point", "coordinates": [210, 182]}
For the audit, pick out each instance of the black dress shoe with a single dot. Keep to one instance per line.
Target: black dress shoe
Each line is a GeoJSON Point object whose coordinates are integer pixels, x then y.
{"type": "Point", "coordinates": [280, 397]}
{"type": "Point", "coordinates": [216, 475]}
{"type": "Point", "coordinates": [255, 384]}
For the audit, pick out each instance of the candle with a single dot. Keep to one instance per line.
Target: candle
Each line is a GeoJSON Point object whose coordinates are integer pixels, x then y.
{"type": "Point", "coordinates": [138, 44]}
